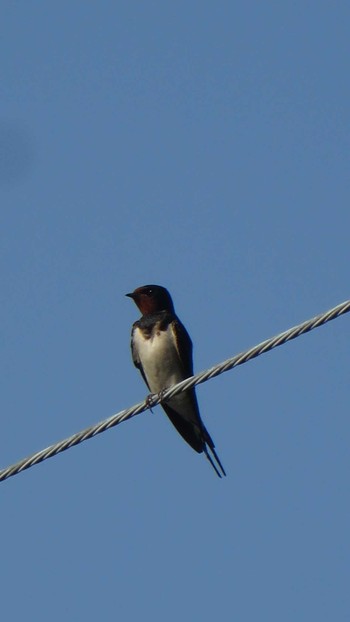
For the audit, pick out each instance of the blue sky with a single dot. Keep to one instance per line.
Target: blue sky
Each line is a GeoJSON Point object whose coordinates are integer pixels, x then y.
{"type": "Point", "coordinates": [205, 147]}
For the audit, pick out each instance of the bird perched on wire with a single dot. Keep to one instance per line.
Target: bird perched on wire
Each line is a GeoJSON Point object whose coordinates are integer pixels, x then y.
{"type": "Point", "coordinates": [162, 350]}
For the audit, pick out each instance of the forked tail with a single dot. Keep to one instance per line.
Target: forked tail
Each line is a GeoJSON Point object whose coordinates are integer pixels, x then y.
{"type": "Point", "coordinates": [205, 449]}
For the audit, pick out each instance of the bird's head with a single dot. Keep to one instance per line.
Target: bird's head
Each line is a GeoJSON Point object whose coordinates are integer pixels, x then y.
{"type": "Point", "coordinates": [152, 298]}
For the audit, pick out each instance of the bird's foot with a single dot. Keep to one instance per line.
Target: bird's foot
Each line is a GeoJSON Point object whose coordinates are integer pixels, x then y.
{"type": "Point", "coordinates": [149, 402]}
{"type": "Point", "coordinates": [160, 395]}
{"type": "Point", "coordinates": [153, 396]}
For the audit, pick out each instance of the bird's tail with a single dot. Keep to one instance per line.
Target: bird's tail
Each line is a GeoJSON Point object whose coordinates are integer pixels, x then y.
{"type": "Point", "coordinates": [209, 443]}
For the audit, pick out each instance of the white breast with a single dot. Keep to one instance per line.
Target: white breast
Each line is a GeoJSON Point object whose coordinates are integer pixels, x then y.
{"type": "Point", "coordinates": [159, 359]}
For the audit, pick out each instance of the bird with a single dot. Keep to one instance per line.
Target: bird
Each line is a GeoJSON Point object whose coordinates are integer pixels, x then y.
{"type": "Point", "coordinates": [161, 349]}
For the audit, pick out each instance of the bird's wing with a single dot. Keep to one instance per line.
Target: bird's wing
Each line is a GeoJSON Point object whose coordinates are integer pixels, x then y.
{"type": "Point", "coordinates": [189, 431]}
{"type": "Point", "coordinates": [184, 414]}
{"type": "Point", "coordinates": [183, 345]}
{"type": "Point", "coordinates": [191, 427]}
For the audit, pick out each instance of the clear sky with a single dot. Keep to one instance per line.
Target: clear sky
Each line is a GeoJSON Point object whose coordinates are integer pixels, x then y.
{"type": "Point", "coordinates": [203, 146]}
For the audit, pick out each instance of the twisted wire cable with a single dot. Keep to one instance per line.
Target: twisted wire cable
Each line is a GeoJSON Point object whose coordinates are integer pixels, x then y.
{"type": "Point", "coordinates": [153, 400]}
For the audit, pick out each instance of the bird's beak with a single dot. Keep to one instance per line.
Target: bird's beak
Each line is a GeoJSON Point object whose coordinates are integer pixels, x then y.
{"type": "Point", "coordinates": [130, 295]}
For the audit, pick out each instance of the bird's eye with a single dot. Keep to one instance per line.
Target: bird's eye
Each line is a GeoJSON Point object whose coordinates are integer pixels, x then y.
{"type": "Point", "coordinates": [150, 292]}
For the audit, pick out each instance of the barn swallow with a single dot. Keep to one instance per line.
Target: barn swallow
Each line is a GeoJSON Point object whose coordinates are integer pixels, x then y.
{"type": "Point", "coordinates": [162, 350]}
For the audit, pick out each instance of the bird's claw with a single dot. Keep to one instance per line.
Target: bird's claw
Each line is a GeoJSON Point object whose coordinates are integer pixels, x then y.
{"type": "Point", "coordinates": [149, 402]}
{"type": "Point", "coordinates": [160, 395]}
{"type": "Point", "coordinates": [151, 397]}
